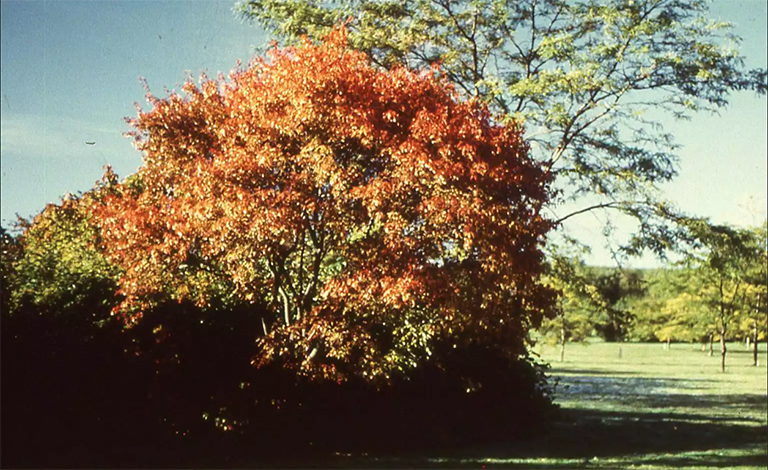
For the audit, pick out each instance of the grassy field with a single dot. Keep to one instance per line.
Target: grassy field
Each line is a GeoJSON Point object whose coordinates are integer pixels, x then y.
{"type": "Point", "coordinates": [632, 406]}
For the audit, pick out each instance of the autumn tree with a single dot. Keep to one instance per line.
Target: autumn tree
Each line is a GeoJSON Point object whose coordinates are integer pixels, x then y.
{"type": "Point", "coordinates": [591, 79]}
{"type": "Point", "coordinates": [374, 214]}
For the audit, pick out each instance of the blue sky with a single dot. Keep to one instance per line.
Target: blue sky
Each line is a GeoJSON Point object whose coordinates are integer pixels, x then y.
{"type": "Point", "coordinates": [70, 74]}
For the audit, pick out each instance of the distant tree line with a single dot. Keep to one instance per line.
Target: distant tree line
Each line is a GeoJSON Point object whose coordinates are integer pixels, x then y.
{"type": "Point", "coordinates": [716, 292]}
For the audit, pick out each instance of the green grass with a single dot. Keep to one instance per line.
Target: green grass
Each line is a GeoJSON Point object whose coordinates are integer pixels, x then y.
{"type": "Point", "coordinates": [646, 408]}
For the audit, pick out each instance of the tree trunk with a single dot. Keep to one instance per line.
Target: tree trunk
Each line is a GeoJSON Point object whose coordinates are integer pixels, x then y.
{"type": "Point", "coordinates": [747, 339]}
{"type": "Point", "coordinates": [754, 343]}
{"type": "Point", "coordinates": [722, 327]}
{"type": "Point", "coordinates": [669, 344]}
{"type": "Point", "coordinates": [723, 349]}
{"type": "Point", "coordinates": [711, 345]}
{"type": "Point", "coordinates": [286, 307]}
{"type": "Point", "coordinates": [562, 342]}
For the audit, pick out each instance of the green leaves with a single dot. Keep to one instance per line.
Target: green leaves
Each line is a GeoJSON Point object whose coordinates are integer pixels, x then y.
{"type": "Point", "coordinates": [60, 270]}
{"type": "Point", "coordinates": [722, 285]}
{"type": "Point", "coordinates": [582, 75]}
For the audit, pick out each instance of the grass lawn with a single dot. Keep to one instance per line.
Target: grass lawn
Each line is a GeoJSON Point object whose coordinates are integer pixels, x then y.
{"type": "Point", "coordinates": [631, 406]}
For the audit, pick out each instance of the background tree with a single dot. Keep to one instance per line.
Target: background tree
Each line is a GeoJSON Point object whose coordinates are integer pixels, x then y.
{"type": "Point", "coordinates": [60, 272]}
{"type": "Point", "coordinates": [373, 213]}
{"type": "Point", "coordinates": [684, 316]}
{"type": "Point", "coordinates": [726, 260]}
{"type": "Point", "coordinates": [590, 79]}
{"type": "Point", "coordinates": [11, 251]}
{"type": "Point", "coordinates": [661, 284]}
{"type": "Point", "coordinates": [63, 355]}
{"type": "Point", "coordinates": [671, 307]}
{"type": "Point", "coordinates": [613, 289]}
{"type": "Point", "coordinates": [755, 318]}
{"type": "Point", "coordinates": [573, 320]}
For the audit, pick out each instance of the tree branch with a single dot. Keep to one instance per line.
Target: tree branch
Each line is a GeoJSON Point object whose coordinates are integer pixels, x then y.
{"type": "Point", "coordinates": [605, 205]}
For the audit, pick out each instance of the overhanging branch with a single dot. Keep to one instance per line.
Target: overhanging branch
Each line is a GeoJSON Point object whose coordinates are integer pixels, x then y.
{"type": "Point", "coordinates": [605, 205]}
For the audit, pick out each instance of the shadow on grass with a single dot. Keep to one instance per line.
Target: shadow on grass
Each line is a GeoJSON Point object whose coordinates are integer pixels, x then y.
{"type": "Point", "coordinates": [663, 429]}
{"type": "Point", "coordinates": [587, 437]}
{"type": "Point", "coordinates": [605, 387]}
{"type": "Point", "coordinates": [741, 403]}
{"type": "Point", "coordinates": [583, 439]}
{"type": "Point", "coordinates": [706, 460]}
{"type": "Point", "coordinates": [744, 351]}
{"type": "Point", "coordinates": [657, 393]}
{"type": "Point", "coordinates": [658, 429]}
{"type": "Point", "coordinates": [603, 433]}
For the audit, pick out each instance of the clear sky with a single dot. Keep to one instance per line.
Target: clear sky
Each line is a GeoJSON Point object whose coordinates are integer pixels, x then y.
{"type": "Point", "coordinates": [70, 74]}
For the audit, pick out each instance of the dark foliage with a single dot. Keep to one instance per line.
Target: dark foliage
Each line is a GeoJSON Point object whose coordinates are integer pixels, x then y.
{"type": "Point", "coordinates": [84, 394]}
{"type": "Point", "coordinates": [70, 393]}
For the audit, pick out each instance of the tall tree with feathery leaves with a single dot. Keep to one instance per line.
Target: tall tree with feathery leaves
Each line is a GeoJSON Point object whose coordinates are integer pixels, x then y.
{"type": "Point", "coordinates": [591, 79]}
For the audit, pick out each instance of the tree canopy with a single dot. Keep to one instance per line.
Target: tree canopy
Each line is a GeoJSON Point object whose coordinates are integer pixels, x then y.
{"type": "Point", "coordinates": [56, 269]}
{"type": "Point", "coordinates": [371, 211]}
{"type": "Point", "coordinates": [592, 80]}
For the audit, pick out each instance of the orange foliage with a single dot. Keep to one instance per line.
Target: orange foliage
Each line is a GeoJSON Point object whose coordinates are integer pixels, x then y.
{"type": "Point", "coordinates": [372, 211]}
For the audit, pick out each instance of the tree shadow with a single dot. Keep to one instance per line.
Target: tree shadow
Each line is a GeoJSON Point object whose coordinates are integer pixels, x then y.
{"type": "Point", "coordinates": [654, 393]}
{"type": "Point", "coordinates": [706, 460]}
{"type": "Point", "coordinates": [613, 388]}
{"type": "Point", "coordinates": [602, 433]}
{"type": "Point", "coordinates": [580, 440]}
{"type": "Point", "coordinates": [657, 434]}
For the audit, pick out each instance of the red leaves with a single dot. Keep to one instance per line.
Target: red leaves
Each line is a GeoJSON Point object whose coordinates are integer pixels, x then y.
{"type": "Point", "coordinates": [346, 197]}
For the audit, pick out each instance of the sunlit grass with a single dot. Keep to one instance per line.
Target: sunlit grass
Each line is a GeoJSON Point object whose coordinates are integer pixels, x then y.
{"type": "Point", "coordinates": [683, 369]}
{"type": "Point", "coordinates": [675, 401]}
{"type": "Point", "coordinates": [632, 405]}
